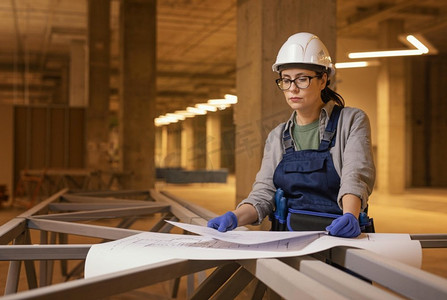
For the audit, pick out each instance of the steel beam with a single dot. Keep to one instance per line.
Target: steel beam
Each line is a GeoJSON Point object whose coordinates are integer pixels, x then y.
{"type": "Point", "coordinates": [431, 240]}
{"type": "Point", "coordinates": [79, 198]}
{"type": "Point", "coordinates": [181, 212]}
{"type": "Point", "coordinates": [118, 282]}
{"type": "Point", "coordinates": [198, 210]}
{"type": "Point", "coordinates": [347, 285]}
{"type": "Point", "coordinates": [213, 282]}
{"type": "Point", "coordinates": [57, 207]}
{"type": "Point", "coordinates": [236, 284]}
{"type": "Point", "coordinates": [106, 213]}
{"type": "Point", "coordinates": [406, 280]}
{"type": "Point", "coordinates": [43, 252]}
{"type": "Point", "coordinates": [104, 232]}
{"type": "Point", "coordinates": [288, 282]}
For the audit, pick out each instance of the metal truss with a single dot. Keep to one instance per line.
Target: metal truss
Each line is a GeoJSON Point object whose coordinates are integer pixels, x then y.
{"type": "Point", "coordinates": [338, 273]}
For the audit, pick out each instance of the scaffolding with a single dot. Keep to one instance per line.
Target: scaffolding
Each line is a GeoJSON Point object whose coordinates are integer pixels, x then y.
{"type": "Point", "coordinates": [338, 273]}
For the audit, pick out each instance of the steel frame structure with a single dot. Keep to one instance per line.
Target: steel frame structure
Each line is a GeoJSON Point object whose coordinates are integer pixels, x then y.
{"type": "Point", "coordinates": [337, 273]}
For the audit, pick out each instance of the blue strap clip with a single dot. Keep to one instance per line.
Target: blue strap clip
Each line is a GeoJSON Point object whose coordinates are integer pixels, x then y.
{"type": "Point", "coordinates": [280, 214]}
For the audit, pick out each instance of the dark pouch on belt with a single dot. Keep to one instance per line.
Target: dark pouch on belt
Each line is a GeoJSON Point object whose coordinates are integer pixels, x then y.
{"type": "Point", "coordinates": [303, 220]}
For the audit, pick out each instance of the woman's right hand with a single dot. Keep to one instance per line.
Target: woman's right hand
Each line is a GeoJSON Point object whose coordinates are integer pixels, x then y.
{"type": "Point", "coordinates": [225, 222]}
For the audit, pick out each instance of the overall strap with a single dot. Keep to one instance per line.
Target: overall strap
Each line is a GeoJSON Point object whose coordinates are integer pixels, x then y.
{"type": "Point", "coordinates": [331, 129]}
{"type": "Point", "coordinates": [287, 140]}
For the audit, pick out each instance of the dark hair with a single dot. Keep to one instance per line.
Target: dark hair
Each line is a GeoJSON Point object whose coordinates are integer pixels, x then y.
{"type": "Point", "coordinates": [327, 94]}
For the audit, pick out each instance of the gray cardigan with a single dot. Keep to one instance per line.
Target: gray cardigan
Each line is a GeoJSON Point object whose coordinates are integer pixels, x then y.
{"type": "Point", "coordinates": [351, 154]}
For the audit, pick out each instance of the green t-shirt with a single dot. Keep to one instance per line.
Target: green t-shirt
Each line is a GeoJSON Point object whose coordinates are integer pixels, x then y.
{"type": "Point", "coordinates": [306, 136]}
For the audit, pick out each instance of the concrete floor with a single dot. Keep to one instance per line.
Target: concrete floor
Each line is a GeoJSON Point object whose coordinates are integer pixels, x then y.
{"type": "Point", "coordinates": [416, 211]}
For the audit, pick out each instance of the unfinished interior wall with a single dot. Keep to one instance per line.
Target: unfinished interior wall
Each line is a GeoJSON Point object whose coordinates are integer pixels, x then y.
{"type": "Point", "coordinates": [48, 137]}
{"type": "Point", "coordinates": [199, 142]}
{"type": "Point", "coordinates": [6, 150]}
{"type": "Point", "coordinates": [427, 119]}
{"type": "Point", "coordinates": [228, 132]}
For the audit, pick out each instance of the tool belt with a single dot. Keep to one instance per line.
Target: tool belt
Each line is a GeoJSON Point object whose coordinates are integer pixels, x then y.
{"type": "Point", "coordinates": [300, 220]}
{"type": "Point", "coordinates": [303, 220]}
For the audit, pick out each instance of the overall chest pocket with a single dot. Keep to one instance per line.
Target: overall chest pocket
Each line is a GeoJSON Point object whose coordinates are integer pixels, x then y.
{"type": "Point", "coordinates": [305, 166]}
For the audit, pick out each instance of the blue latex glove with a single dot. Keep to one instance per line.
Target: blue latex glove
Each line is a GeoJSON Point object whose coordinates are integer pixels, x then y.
{"type": "Point", "coordinates": [227, 221]}
{"type": "Point", "coordinates": [346, 226]}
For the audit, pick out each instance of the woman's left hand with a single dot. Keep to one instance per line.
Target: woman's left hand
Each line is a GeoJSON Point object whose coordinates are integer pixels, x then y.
{"type": "Point", "coordinates": [347, 226]}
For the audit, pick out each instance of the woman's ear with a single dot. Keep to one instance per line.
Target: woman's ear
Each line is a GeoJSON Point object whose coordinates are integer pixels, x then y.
{"type": "Point", "coordinates": [324, 81]}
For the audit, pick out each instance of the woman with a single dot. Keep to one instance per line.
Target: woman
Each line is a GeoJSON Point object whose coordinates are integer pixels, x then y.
{"type": "Point", "coordinates": [319, 163]}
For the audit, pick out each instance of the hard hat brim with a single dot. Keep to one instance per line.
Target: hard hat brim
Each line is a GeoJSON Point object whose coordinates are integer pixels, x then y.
{"type": "Point", "coordinates": [312, 67]}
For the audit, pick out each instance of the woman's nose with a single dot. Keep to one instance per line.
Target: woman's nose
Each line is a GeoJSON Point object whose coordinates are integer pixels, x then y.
{"type": "Point", "coordinates": [294, 87]}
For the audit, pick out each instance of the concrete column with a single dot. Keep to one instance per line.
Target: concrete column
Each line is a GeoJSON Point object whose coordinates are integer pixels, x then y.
{"type": "Point", "coordinates": [213, 141]}
{"type": "Point", "coordinates": [391, 112]}
{"type": "Point", "coordinates": [187, 144]}
{"type": "Point", "coordinates": [262, 28]}
{"type": "Point", "coordinates": [173, 155]}
{"type": "Point", "coordinates": [199, 142]}
{"type": "Point", "coordinates": [227, 143]}
{"type": "Point", "coordinates": [98, 87]}
{"type": "Point", "coordinates": [78, 83]}
{"type": "Point", "coordinates": [158, 146]}
{"type": "Point", "coordinates": [164, 145]}
{"type": "Point", "coordinates": [138, 91]}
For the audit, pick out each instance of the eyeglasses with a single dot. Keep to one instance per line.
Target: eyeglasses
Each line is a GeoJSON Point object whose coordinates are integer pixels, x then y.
{"type": "Point", "coordinates": [301, 82]}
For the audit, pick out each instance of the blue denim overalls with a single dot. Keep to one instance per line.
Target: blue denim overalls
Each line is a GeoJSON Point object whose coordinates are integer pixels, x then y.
{"type": "Point", "coordinates": [309, 181]}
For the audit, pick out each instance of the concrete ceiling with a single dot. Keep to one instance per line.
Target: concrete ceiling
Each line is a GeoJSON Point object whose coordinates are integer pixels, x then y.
{"type": "Point", "coordinates": [35, 37]}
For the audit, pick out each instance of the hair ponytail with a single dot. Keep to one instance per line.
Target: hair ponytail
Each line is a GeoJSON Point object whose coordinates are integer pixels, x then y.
{"type": "Point", "coordinates": [327, 94]}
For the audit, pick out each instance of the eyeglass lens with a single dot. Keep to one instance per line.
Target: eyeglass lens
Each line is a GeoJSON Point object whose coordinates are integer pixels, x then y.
{"type": "Point", "coordinates": [301, 82]}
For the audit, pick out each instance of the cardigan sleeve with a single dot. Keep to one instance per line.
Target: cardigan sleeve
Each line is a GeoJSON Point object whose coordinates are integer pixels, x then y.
{"type": "Point", "coordinates": [263, 190]}
{"type": "Point", "coordinates": [357, 170]}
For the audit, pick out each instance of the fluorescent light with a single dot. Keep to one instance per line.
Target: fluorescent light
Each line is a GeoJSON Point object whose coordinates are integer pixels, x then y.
{"type": "Point", "coordinates": [176, 116]}
{"type": "Point", "coordinates": [200, 109]}
{"type": "Point", "coordinates": [390, 53]}
{"type": "Point", "coordinates": [421, 48]}
{"type": "Point", "coordinates": [217, 101]}
{"type": "Point", "coordinates": [169, 119]}
{"type": "Point", "coordinates": [229, 99]}
{"type": "Point", "coordinates": [165, 120]}
{"type": "Point", "coordinates": [417, 43]}
{"type": "Point", "coordinates": [160, 122]}
{"type": "Point", "coordinates": [354, 64]}
{"type": "Point", "coordinates": [196, 110]}
{"type": "Point", "coordinates": [206, 107]}
{"type": "Point", "coordinates": [185, 113]}
{"type": "Point", "coordinates": [232, 99]}
{"type": "Point", "coordinates": [220, 102]}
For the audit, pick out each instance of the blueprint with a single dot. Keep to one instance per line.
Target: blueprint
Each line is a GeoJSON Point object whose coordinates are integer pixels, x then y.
{"type": "Point", "coordinates": [150, 248]}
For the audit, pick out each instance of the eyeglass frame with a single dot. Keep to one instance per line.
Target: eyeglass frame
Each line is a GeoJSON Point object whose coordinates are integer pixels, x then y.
{"type": "Point", "coordinates": [293, 81]}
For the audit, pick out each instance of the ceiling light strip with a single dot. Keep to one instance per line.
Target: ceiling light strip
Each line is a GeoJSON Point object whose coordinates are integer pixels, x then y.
{"type": "Point", "coordinates": [389, 53]}
{"type": "Point", "coordinates": [421, 48]}
{"type": "Point", "coordinates": [199, 109]}
{"type": "Point", "coordinates": [354, 64]}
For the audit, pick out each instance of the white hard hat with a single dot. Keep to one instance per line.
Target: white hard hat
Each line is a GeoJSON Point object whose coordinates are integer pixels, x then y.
{"type": "Point", "coordinates": [304, 49]}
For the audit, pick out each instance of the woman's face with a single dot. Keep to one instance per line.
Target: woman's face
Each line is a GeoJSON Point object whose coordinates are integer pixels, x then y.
{"type": "Point", "coordinates": [304, 99]}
